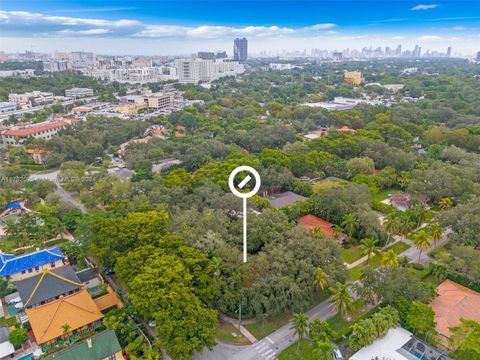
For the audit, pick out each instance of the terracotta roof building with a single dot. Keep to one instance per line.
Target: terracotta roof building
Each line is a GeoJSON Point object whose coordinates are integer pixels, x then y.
{"type": "Point", "coordinates": [79, 311]}
{"type": "Point", "coordinates": [311, 222]}
{"type": "Point", "coordinates": [454, 302]}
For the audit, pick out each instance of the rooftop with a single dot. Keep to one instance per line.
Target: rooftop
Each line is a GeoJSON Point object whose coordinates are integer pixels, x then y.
{"type": "Point", "coordinates": [104, 344]}
{"type": "Point", "coordinates": [453, 302]}
{"type": "Point", "coordinates": [37, 128]}
{"type": "Point", "coordinates": [285, 198]}
{"type": "Point", "coordinates": [11, 264]}
{"type": "Point", "coordinates": [312, 222]}
{"type": "Point", "coordinates": [77, 310]}
{"type": "Point", "coordinates": [48, 285]}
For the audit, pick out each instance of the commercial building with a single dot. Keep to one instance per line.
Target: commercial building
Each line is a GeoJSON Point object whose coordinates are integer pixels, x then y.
{"type": "Point", "coordinates": [56, 65]}
{"type": "Point", "coordinates": [76, 93]}
{"type": "Point", "coordinates": [478, 56]}
{"type": "Point", "coordinates": [353, 77]}
{"type": "Point", "coordinates": [206, 55]}
{"type": "Point", "coordinates": [7, 107]}
{"type": "Point", "coordinates": [194, 71]}
{"type": "Point", "coordinates": [17, 73]}
{"type": "Point", "coordinates": [18, 134]}
{"type": "Point", "coordinates": [34, 97]}
{"type": "Point", "coordinates": [240, 49]}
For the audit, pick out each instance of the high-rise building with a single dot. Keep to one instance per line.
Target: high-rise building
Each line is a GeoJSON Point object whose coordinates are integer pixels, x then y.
{"type": "Point", "coordinates": [449, 51]}
{"type": "Point", "coordinates": [240, 49]}
{"type": "Point", "coordinates": [221, 55]}
{"type": "Point", "coordinates": [478, 56]}
{"type": "Point", "coordinates": [206, 55]}
{"type": "Point", "coordinates": [399, 50]}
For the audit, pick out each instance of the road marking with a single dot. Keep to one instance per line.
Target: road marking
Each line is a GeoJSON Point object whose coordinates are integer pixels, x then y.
{"type": "Point", "coordinates": [262, 348]}
{"type": "Point", "coordinates": [270, 340]}
{"type": "Point", "coordinates": [270, 356]}
{"type": "Point", "coordinates": [268, 352]}
{"type": "Point", "coordinates": [244, 182]}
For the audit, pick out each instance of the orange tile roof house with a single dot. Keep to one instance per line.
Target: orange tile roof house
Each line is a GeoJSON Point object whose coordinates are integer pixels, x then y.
{"type": "Point", "coordinates": [454, 302]}
{"type": "Point", "coordinates": [312, 222]}
{"type": "Point", "coordinates": [78, 310]}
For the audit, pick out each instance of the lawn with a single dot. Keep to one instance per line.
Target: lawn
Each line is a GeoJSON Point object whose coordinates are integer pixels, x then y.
{"type": "Point", "coordinates": [269, 325]}
{"type": "Point", "coordinates": [305, 351]}
{"type": "Point", "coordinates": [356, 273]}
{"type": "Point", "coordinates": [11, 321]}
{"type": "Point", "coordinates": [260, 330]}
{"type": "Point", "coordinates": [382, 195]}
{"type": "Point", "coordinates": [351, 254]}
{"type": "Point", "coordinates": [227, 333]}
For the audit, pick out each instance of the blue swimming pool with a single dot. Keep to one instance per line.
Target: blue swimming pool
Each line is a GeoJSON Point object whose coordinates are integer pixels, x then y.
{"type": "Point", "coordinates": [26, 357]}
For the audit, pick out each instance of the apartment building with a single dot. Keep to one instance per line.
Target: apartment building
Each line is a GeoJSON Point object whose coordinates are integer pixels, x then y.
{"type": "Point", "coordinates": [194, 71]}
{"type": "Point", "coordinates": [353, 77]}
{"type": "Point", "coordinates": [76, 93]}
{"type": "Point", "coordinates": [34, 98]}
{"type": "Point", "coordinates": [18, 134]}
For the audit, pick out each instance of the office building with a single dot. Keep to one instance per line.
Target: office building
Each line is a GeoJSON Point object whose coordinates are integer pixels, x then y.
{"type": "Point", "coordinates": [353, 77]}
{"type": "Point", "coordinates": [449, 51]}
{"type": "Point", "coordinates": [34, 97]}
{"type": "Point", "coordinates": [194, 71]}
{"type": "Point", "coordinates": [206, 55]}
{"type": "Point", "coordinates": [221, 55]}
{"type": "Point", "coordinates": [240, 49]}
{"type": "Point", "coordinates": [56, 65]}
{"type": "Point", "coordinates": [478, 56]}
{"type": "Point", "coordinates": [75, 93]}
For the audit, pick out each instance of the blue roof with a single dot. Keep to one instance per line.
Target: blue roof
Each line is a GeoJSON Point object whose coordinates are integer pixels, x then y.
{"type": "Point", "coordinates": [11, 264]}
{"type": "Point", "coordinates": [13, 205]}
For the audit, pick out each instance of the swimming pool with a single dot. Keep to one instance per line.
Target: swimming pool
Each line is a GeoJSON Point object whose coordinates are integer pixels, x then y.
{"type": "Point", "coordinates": [26, 357]}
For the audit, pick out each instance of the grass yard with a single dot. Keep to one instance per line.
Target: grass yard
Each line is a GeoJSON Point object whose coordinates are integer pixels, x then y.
{"type": "Point", "coordinates": [357, 272]}
{"type": "Point", "coordinates": [382, 195]}
{"type": "Point", "coordinates": [11, 321]}
{"type": "Point", "coordinates": [269, 325]}
{"type": "Point", "coordinates": [260, 330]}
{"type": "Point", "coordinates": [227, 333]}
{"type": "Point", "coordinates": [305, 351]}
{"type": "Point", "coordinates": [351, 254]}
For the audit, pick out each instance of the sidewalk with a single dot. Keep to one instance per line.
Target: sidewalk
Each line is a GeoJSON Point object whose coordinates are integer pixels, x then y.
{"type": "Point", "coordinates": [244, 331]}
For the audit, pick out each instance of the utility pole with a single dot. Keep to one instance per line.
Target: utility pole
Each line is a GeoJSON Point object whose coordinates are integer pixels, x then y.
{"type": "Point", "coordinates": [239, 316]}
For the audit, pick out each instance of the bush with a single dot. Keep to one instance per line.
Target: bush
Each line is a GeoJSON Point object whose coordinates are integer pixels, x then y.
{"type": "Point", "coordinates": [417, 266]}
{"type": "Point", "coordinates": [464, 280]}
{"type": "Point", "coordinates": [17, 337]}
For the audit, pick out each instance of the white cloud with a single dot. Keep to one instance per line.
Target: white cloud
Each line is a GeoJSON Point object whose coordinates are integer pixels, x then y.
{"type": "Point", "coordinates": [320, 26]}
{"type": "Point", "coordinates": [430, 37]}
{"type": "Point", "coordinates": [84, 32]}
{"type": "Point", "coordinates": [424, 7]}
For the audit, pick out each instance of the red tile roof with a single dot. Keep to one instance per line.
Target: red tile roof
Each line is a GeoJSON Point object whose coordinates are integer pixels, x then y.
{"type": "Point", "coordinates": [312, 222]}
{"type": "Point", "coordinates": [453, 302]}
{"type": "Point", "coordinates": [38, 128]}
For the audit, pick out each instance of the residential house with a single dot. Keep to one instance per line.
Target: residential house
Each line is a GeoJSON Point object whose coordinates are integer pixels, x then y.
{"type": "Point", "coordinates": [311, 223]}
{"type": "Point", "coordinates": [101, 346]}
{"type": "Point", "coordinates": [89, 278]}
{"type": "Point", "coordinates": [77, 310]}
{"type": "Point", "coordinates": [38, 156]}
{"type": "Point", "coordinates": [398, 344]}
{"type": "Point", "coordinates": [48, 286]}
{"type": "Point", "coordinates": [7, 349]}
{"type": "Point", "coordinates": [16, 268]}
{"type": "Point", "coordinates": [286, 198]}
{"type": "Point", "coordinates": [454, 302]}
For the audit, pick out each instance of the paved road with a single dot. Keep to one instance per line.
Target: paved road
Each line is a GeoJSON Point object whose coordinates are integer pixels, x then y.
{"type": "Point", "coordinates": [52, 176]}
{"type": "Point", "coordinates": [267, 348]}
{"type": "Point", "coordinates": [413, 253]}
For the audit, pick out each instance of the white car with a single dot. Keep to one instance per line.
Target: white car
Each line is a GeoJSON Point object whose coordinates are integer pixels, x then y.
{"type": "Point", "coordinates": [337, 355]}
{"type": "Point", "coordinates": [14, 300]}
{"type": "Point", "coordinates": [19, 305]}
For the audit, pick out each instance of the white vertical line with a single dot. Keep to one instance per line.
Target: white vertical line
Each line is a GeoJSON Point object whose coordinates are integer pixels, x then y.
{"type": "Point", "coordinates": [244, 230]}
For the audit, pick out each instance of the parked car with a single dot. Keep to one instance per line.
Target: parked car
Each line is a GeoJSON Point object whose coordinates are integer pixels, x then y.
{"type": "Point", "coordinates": [337, 354]}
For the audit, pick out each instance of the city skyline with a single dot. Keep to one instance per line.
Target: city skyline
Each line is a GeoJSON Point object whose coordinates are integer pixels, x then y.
{"type": "Point", "coordinates": [160, 28]}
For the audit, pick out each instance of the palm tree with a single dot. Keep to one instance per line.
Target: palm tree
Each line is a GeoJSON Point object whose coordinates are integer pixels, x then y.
{"type": "Point", "coordinates": [341, 300]}
{"type": "Point", "coordinates": [323, 348]}
{"type": "Point", "coordinates": [391, 225]}
{"type": "Point", "coordinates": [436, 232]}
{"type": "Point", "coordinates": [439, 271]}
{"type": "Point", "coordinates": [405, 226]}
{"type": "Point", "coordinates": [422, 242]}
{"type": "Point", "coordinates": [369, 247]}
{"type": "Point", "coordinates": [349, 224]}
{"type": "Point", "coordinates": [389, 259]}
{"type": "Point", "coordinates": [421, 214]}
{"type": "Point", "coordinates": [65, 330]}
{"type": "Point", "coordinates": [320, 281]}
{"type": "Point", "coordinates": [445, 203]}
{"type": "Point", "coordinates": [300, 326]}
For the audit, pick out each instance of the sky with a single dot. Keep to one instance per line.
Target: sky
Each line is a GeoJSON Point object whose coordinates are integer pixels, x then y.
{"type": "Point", "coordinates": [178, 27]}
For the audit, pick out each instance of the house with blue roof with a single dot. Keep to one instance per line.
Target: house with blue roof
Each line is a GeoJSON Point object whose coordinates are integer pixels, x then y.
{"type": "Point", "coordinates": [17, 268]}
